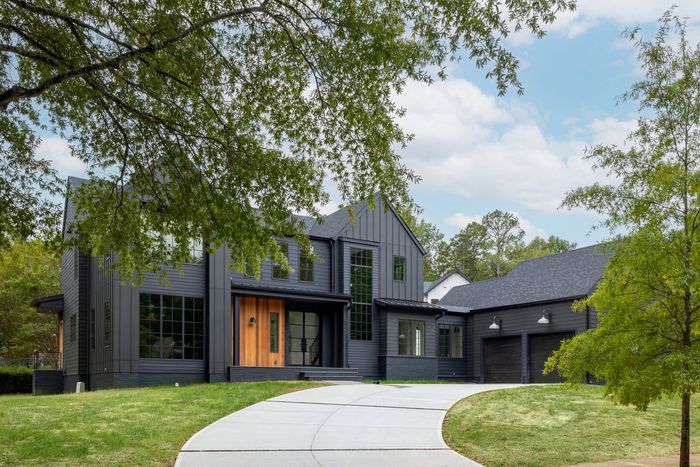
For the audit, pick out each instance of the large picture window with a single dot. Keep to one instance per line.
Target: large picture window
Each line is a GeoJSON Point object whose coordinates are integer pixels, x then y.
{"type": "Point", "coordinates": [361, 292]}
{"type": "Point", "coordinates": [411, 338]}
{"type": "Point", "coordinates": [171, 327]}
{"type": "Point", "coordinates": [450, 341]}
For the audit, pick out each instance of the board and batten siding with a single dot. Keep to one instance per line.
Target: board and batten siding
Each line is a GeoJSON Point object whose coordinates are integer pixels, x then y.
{"type": "Point", "coordinates": [322, 270]}
{"type": "Point", "coordinates": [383, 226]}
{"type": "Point", "coordinates": [362, 354]}
{"type": "Point", "coordinates": [190, 283]}
{"type": "Point", "coordinates": [101, 292]}
{"type": "Point", "coordinates": [522, 321]}
{"type": "Point", "coordinates": [219, 309]}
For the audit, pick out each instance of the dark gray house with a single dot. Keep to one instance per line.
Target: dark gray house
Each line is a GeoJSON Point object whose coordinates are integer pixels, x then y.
{"type": "Point", "coordinates": [355, 311]}
{"type": "Point", "coordinates": [514, 323]}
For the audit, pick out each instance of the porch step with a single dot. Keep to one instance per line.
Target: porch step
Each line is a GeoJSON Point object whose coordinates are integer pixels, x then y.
{"type": "Point", "coordinates": [331, 374]}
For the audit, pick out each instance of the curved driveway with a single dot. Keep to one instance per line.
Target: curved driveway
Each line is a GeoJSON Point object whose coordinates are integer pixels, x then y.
{"type": "Point", "coordinates": [340, 425]}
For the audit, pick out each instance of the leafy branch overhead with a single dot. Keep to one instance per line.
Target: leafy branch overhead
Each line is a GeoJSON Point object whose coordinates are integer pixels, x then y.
{"type": "Point", "coordinates": [219, 119]}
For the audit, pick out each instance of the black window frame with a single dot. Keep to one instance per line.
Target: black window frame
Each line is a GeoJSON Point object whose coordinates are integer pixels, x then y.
{"type": "Point", "coordinates": [362, 293]}
{"type": "Point", "coordinates": [179, 319]}
{"type": "Point", "coordinates": [278, 272]}
{"type": "Point", "coordinates": [446, 346]}
{"type": "Point", "coordinates": [410, 339]}
{"type": "Point", "coordinates": [306, 267]}
{"type": "Point", "coordinates": [399, 264]}
{"type": "Point", "coordinates": [274, 332]}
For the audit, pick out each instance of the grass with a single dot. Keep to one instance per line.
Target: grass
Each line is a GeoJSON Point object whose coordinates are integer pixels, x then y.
{"type": "Point", "coordinates": [141, 426]}
{"type": "Point", "coordinates": [545, 425]}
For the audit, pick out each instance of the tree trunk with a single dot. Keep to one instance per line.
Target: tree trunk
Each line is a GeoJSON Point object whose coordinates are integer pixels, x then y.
{"type": "Point", "coordinates": [685, 431]}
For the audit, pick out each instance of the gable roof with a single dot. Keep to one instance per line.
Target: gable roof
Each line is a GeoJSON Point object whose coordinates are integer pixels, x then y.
{"type": "Point", "coordinates": [568, 275]}
{"type": "Point", "coordinates": [431, 285]}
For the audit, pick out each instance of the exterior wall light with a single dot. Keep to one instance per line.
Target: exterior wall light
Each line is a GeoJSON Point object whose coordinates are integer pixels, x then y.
{"type": "Point", "coordinates": [253, 320]}
{"type": "Point", "coordinates": [545, 317]}
{"type": "Point", "coordinates": [495, 325]}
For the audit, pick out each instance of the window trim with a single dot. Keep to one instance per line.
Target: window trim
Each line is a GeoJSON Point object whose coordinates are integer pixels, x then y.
{"type": "Point", "coordinates": [403, 270]}
{"type": "Point", "coordinates": [411, 342]}
{"type": "Point", "coordinates": [284, 246]}
{"type": "Point", "coordinates": [362, 331]}
{"type": "Point", "coordinates": [307, 260]}
{"type": "Point", "coordinates": [451, 328]}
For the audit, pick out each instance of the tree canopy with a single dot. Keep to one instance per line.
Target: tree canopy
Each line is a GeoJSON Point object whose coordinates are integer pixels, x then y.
{"type": "Point", "coordinates": [219, 119]}
{"type": "Point", "coordinates": [647, 342]}
{"type": "Point", "coordinates": [27, 270]}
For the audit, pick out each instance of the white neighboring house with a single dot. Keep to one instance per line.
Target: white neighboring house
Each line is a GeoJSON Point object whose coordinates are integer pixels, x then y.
{"type": "Point", "coordinates": [434, 291]}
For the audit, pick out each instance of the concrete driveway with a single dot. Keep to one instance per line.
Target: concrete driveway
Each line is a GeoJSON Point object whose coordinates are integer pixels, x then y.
{"type": "Point", "coordinates": [340, 425]}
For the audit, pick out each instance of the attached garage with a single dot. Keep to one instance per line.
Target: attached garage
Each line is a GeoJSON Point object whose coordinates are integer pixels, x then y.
{"type": "Point", "coordinates": [502, 359]}
{"type": "Point", "coordinates": [541, 347]}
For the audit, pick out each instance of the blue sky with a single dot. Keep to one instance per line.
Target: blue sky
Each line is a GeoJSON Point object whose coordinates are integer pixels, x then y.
{"type": "Point", "coordinates": [477, 152]}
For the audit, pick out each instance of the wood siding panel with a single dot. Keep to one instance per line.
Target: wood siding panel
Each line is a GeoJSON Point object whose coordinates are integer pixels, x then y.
{"type": "Point", "coordinates": [255, 338]}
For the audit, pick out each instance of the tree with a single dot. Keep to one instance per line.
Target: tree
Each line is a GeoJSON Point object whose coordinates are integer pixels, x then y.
{"type": "Point", "coordinates": [468, 251]}
{"type": "Point", "coordinates": [504, 235]}
{"type": "Point", "coordinates": [430, 238]}
{"type": "Point", "coordinates": [219, 119]}
{"type": "Point", "coordinates": [539, 247]}
{"type": "Point", "coordinates": [27, 270]}
{"type": "Point", "coordinates": [647, 343]}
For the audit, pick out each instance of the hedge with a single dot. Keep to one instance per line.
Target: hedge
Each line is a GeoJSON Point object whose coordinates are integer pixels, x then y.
{"type": "Point", "coordinates": [15, 380]}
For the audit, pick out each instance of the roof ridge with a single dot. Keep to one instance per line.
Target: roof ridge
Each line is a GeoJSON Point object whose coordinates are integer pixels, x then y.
{"type": "Point", "coordinates": [557, 254]}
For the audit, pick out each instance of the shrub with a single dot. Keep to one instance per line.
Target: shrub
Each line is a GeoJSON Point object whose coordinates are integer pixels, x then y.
{"type": "Point", "coordinates": [15, 380]}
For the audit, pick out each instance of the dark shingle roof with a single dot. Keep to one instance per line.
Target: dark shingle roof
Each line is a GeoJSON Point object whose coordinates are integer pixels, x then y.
{"type": "Point", "coordinates": [408, 304]}
{"type": "Point", "coordinates": [565, 275]}
{"type": "Point", "coordinates": [335, 223]}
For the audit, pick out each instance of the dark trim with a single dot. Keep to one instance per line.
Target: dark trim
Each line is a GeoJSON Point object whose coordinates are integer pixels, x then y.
{"type": "Point", "coordinates": [357, 241]}
{"type": "Point", "coordinates": [206, 330]}
{"type": "Point", "coordinates": [237, 330]}
{"type": "Point", "coordinates": [527, 304]}
{"type": "Point", "coordinates": [396, 304]}
{"type": "Point", "coordinates": [302, 295]}
{"type": "Point", "coordinates": [49, 304]}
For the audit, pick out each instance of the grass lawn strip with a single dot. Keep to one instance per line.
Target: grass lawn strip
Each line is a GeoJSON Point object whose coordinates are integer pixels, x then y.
{"type": "Point", "coordinates": [136, 427]}
{"type": "Point", "coordinates": [545, 425]}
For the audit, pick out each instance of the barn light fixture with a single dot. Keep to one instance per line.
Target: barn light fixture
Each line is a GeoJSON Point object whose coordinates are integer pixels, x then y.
{"type": "Point", "coordinates": [495, 325]}
{"type": "Point", "coordinates": [253, 320]}
{"type": "Point", "coordinates": [545, 317]}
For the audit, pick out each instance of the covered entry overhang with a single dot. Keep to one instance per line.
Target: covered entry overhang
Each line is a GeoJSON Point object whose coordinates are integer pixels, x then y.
{"type": "Point", "coordinates": [284, 333]}
{"type": "Point", "coordinates": [50, 304]}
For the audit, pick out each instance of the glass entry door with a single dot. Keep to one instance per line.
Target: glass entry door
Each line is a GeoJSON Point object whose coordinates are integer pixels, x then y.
{"type": "Point", "coordinates": [304, 338]}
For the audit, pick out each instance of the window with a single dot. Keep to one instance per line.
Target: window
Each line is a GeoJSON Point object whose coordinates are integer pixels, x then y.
{"type": "Point", "coordinates": [274, 332]}
{"type": "Point", "coordinates": [108, 323]}
{"type": "Point", "coordinates": [171, 327]}
{"type": "Point", "coordinates": [195, 249]}
{"type": "Point", "coordinates": [249, 271]}
{"type": "Point", "coordinates": [306, 267]}
{"type": "Point", "coordinates": [450, 341]}
{"type": "Point", "coordinates": [361, 293]}
{"type": "Point", "coordinates": [277, 271]}
{"type": "Point", "coordinates": [73, 328]}
{"type": "Point", "coordinates": [411, 338]}
{"type": "Point", "coordinates": [434, 300]}
{"type": "Point", "coordinates": [400, 268]}
{"type": "Point", "coordinates": [93, 328]}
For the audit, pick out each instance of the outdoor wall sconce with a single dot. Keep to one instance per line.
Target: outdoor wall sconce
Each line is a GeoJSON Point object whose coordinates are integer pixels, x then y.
{"type": "Point", "coordinates": [545, 317]}
{"type": "Point", "coordinates": [495, 325]}
{"type": "Point", "coordinates": [253, 320]}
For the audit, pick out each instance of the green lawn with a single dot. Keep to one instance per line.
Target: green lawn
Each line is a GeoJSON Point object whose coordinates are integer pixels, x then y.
{"type": "Point", "coordinates": [545, 425]}
{"type": "Point", "coordinates": [143, 426]}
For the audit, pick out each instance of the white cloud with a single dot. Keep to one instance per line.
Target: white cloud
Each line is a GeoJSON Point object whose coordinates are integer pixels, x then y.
{"type": "Point", "coordinates": [461, 220]}
{"type": "Point", "coordinates": [58, 152]}
{"type": "Point", "coordinates": [623, 13]}
{"type": "Point", "coordinates": [474, 146]}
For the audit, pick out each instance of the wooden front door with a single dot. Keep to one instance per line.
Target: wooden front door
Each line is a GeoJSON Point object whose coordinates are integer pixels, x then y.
{"type": "Point", "coordinates": [261, 331]}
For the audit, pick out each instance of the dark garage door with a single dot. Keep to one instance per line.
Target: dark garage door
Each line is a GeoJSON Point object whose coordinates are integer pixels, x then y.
{"type": "Point", "coordinates": [541, 347]}
{"type": "Point", "coordinates": [502, 363]}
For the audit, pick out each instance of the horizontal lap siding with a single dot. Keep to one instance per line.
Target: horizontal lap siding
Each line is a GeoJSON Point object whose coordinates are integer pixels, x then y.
{"type": "Point", "coordinates": [522, 321]}
{"type": "Point", "coordinates": [456, 367]}
{"type": "Point", "coordinates": [322, 270]}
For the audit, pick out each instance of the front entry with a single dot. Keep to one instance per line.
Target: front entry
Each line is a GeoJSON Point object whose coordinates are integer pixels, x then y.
{"type": "Point", "coordinates": [304, 338]}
